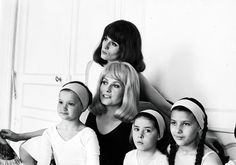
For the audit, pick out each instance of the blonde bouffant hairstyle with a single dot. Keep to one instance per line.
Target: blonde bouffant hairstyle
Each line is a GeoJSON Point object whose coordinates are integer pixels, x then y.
{"type": "Point", "coordinates": [126, 74]}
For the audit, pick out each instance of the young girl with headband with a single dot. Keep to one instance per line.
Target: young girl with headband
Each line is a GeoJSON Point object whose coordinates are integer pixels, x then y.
{"type": "Point", "coordinates": [70, 141]}
{"type": "Point", "coordinates": [147, 132]}
{"type": "Point", "coordinates": [188, 127]}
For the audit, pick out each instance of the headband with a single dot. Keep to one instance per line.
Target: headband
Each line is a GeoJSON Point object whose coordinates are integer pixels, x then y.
{"type": "Point", "coordinates": [160, 120]}
{"type": "Point", "coordinates": [194, 108]}
{"type": "Point", "coordinates": [80, 90]}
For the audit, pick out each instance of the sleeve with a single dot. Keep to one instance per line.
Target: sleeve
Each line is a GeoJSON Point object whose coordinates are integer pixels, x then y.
{"type": "Point", "coordinates": [211, 158]}
{"type": "Point", "coordinates": [127, 159]}
{"type": "Point", "coordinates": [92, 148]}
{"type": "Point", "coordinates": [45, 150]}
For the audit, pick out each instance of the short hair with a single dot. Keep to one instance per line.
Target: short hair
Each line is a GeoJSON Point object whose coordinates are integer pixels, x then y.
{"type": "Point", "coordinates": [129, 39]}
{"type": "Point", "coordinates": [127, 75]}
{"type": "Point", "coordinates": [162, 143]}
{"type": "Point", "coordinates": [90, 96]}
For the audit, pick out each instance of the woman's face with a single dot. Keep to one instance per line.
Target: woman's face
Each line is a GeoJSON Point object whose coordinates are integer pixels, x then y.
{"type": "Point", "coordinates": [110, 49]}
{"type": "Point", "coordinates": [184, 128]}
{"type": "Point", "coordinates": [111, 91]}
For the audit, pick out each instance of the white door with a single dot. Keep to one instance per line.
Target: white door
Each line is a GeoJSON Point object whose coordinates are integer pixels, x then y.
{"type": "Point", "coordinates": [54, 41]}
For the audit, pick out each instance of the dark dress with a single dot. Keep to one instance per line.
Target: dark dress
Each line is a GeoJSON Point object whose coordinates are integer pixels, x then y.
{"type": "Point", "coordinates": [114, 145]}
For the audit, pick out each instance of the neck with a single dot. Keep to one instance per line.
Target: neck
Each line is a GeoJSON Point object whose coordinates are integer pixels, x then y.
{"type": "Point", "coordinates": [190, 149]}
{"type": "Point", "coordinates": [145, 157]}
{"type": "Point", "coordinates": [70, 125]}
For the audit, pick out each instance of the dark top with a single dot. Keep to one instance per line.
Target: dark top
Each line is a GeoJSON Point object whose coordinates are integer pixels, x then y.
{"type": "Point", "coordinates": [113, 145]}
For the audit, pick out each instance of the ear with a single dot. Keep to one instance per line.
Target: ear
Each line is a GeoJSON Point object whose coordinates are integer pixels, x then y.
{"type": "Point", "coordinates": [158, 138]}
{"type": "Point", "coordinates": [200, 132]}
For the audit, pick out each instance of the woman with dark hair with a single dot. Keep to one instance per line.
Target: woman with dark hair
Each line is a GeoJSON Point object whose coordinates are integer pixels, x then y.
{"type": "Point", "coordinates": [121, 41]}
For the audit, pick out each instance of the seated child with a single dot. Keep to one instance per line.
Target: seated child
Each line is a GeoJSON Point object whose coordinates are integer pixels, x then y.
{"type": "Point", "coordinates": [70, 142]}
{"type": "Point", "coordinates": [7, 154]}
{"type": "Point", "coordinates": [188, 127]}
{"type": "Point", "coordinates": [147, 130]}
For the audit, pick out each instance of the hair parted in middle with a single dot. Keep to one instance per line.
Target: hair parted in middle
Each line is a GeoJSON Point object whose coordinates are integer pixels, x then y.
{"type": "Point", "coordinates": [127, 75]}
{"type": "Point", "coordinates": [200, 147]}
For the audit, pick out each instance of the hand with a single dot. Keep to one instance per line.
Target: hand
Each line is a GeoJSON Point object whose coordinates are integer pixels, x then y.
{"type": "Point", "coordinates": [10, 135]}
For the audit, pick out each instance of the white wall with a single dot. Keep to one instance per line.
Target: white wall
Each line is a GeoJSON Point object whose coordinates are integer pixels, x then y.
{"type": "Point", "coordinates": [194, 47]}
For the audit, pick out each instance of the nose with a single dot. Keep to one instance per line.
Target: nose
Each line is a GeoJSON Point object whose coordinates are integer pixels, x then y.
{"type": "Point", "coordinates": [64, 107]}
{"type": "Point", "coordinates": [109, 88]}
{"type": "Point", "coordinates": [107, 44]}
{"type": "Point", "coordinates": [141, 134]}
{"type": "Point", "coordinates": [179, 129]}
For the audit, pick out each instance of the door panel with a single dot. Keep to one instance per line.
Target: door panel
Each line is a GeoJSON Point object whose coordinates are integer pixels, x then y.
{"type": "Point", "coordinates": [43, 56]}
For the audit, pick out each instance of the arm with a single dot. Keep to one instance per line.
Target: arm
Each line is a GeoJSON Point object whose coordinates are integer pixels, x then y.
{"type": "Point", "coordinates": [10, 135]}
{"type": "Point", "coordinates": [212, 159]}
{"type": "Point", "coordinates": [45, 150]}
{"type": "Point", "coordinates": [92, 147]}
{"type": "Point", "coordinates": [153, 95]}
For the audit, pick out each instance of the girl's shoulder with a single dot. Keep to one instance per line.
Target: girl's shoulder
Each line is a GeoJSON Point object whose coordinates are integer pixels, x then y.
{"type": "Point", "coordinates": [210, 157]}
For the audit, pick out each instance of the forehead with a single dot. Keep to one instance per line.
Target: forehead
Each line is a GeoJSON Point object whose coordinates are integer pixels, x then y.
{"type": "Point", "coordinates": [143, 122]}
{"type": "Point", "coordinates": [181, 115]}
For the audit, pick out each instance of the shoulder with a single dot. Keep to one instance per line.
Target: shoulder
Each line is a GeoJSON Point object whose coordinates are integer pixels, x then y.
{"type": "Point", "coordinates": [130, 157]}
{"type": "Point", "coordinates": [210, 157]}
{"type": "Point", "coordinates": [161, 157]}
{"type": "Point", "coordinates": [93, 65]}
{"type": "Point", "coordinates": [50, 130]}
{"type": "Point", "coordinates": [88, 132]}
{"type": "Point", "coordinates": [131, 153]}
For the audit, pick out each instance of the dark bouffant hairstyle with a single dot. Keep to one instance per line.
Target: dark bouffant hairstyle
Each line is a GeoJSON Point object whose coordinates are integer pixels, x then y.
{"type": "Point", "coordinates": [128, 37]}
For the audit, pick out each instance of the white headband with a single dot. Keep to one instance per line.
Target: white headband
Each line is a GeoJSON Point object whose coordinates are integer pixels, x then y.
{"type": "Point", "coordinates": [194, 108]}
{"type": "Point", "coordinates": [80, 90]}
{"type": "Point", "coordinates": [160, 120]}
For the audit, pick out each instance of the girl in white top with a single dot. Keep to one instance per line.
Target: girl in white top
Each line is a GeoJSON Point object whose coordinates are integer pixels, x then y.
{"type": "Point", "coordinates": [147, 131]}
{"type": "Point", "coordinates": [70, 142]}
{"type": "Point", "coordinates": [188, 127]}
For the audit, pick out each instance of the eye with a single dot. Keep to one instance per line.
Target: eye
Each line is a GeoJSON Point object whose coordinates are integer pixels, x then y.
{"type": "Point", "coordinates": [114, 44]}
{"type": "Point", "coordinates": [135, 129]}
{"type": "Point", "coordinates": [60, 102]}
{"type": "Point", "coordinates": [148, 130]}
{"type": "Point", "coordinates": [104, 82]}
{"type": "Point", "coordinates": [187, 124]}
{"type": "Point", "coordinates": [172, 122]}
{"type": "Point", "coordinates": [116, 85]}
{"type": "Point", "coordinates": [71, 104]}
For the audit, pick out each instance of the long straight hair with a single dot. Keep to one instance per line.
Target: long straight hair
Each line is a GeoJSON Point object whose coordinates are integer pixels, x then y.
{"type": "Point", "coordinates": [126, 74]}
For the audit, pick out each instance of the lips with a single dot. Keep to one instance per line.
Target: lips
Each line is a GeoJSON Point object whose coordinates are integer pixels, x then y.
{"type": "Point", "coordinates": [104, 52]}
{"type": "Point", "coordinates": [139, 142]}
{"type": "Point", "coordinates": [178, 137]}
{"type": "Point", "coordinates": [106, 96]}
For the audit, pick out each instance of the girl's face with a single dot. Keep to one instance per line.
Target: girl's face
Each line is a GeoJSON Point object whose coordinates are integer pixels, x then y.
{"type": "Point", "coordinates": [69, 106]}
{"type": "Point", "coordinates": [184, 128]}
{"type": "Point", "coordinates": [111, 91]}
{"type": "Point", "coordinates": [145, 134]}
{"type": "Point", "coordinates": [110, 49]}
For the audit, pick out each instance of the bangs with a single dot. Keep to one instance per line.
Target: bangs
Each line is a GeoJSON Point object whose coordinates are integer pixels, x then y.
{"type": "Point", "coordinates": [115, 33]}
{"type": "Point", "coordinates": [117, 72]}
